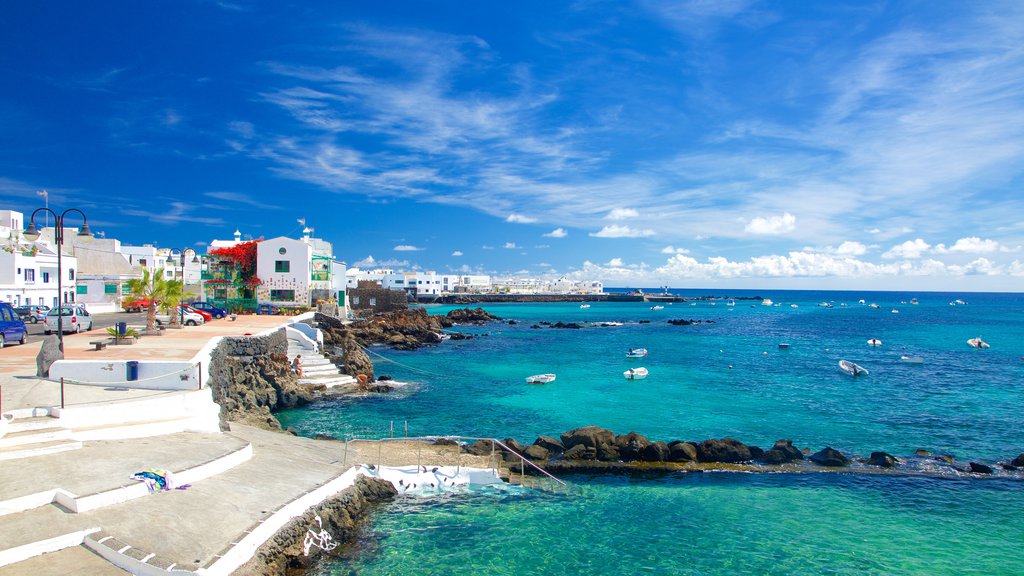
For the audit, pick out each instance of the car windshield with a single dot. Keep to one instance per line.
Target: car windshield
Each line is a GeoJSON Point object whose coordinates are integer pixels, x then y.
{"type": "Point", "coordinates": [63, 312]}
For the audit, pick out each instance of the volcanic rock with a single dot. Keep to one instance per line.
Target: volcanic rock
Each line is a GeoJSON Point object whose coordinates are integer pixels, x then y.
{"type": "Point", "coordinates": [682, 452]}
{"type": "Point", "coordinates": [552, 445]}
{"type": "Point", "coordinates": [631, 446]}
{"type": "Point", "coordinates": [883, 459]}
{"type": "Point", "coordinates": [656, 452]}
{"type": "Point", "coordinates": [979, 468]}
{"type": "Point", "coordinates": [829, 456]}
{"type": "Point", "coordinates": [724, 450]}
{"type": "Point", "coordinates": [588, 436]}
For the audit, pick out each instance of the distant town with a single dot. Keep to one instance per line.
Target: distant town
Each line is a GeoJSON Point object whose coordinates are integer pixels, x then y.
{"type": "Point", "coordinates": [234, 274]}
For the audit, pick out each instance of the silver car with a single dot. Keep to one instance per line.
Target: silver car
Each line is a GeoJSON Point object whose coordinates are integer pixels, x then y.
{"type": "Point", "coordinates": [74, 318]}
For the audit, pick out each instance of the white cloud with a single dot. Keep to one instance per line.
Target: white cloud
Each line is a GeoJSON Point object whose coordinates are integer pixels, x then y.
{"type": "Point", "coordinates": [975, 245]}
{"type": "Point", "coordinates": [615, 263]}
{"type": "Point", "coordinates": [616, 231]}
{"type": "Point", "coordinates": [851, 248]}
{"type": "Point", "coordinates": [457, 253]}
{"type": "Point", "coordinates": [557, 233]}
{"type": "Point", "coordinates": [486, 247]}
{"type": "Point", "coordinates": [672, 250]}
{"type": "Point", "coordinates": [365, 262]}
{"type": "Point", "coordinates": [908, 249]}
{"type": "Point", "coordinates": [771, 225]}
{"type": "Point", "coordinates": [406, 248]}
{"type": "Point", "coordinates": [510, 246]}
{"type": "Point", "coordinates": [520, 219]}
{"type": "Point", "coordinates": [622, 214]}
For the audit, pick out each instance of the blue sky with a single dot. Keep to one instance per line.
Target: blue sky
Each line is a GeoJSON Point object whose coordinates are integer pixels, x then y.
{"type": "Point", "coordinates": [707, 143]}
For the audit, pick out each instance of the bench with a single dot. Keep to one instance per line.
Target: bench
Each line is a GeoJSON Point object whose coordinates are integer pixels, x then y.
{"type": "Point", "coordinates": [99, 344]}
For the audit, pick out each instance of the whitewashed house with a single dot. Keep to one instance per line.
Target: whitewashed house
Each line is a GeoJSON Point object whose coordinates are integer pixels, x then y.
{"type": "Point", "coordinates": [298, 272]}
{"type": "Point", "coordinates": [28, 270]}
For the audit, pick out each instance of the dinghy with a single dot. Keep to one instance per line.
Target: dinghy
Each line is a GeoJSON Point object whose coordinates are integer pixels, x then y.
{"type": "Point", "coordinates": [874, 342]}
{"type": "Point", "coordinates": [635, 373]}
{"type": "Point", "coordinates": [540, 379]}
{"type": "Point", "coordinates": [852, 369]}
{"type": "Point", "coordinates": [636, 353]}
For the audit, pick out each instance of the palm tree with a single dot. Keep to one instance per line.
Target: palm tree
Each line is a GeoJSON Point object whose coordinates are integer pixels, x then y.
{"type": "Point", "coordinates": [151, 287]}
{"type": "Point", "coordinates": [174, 293]}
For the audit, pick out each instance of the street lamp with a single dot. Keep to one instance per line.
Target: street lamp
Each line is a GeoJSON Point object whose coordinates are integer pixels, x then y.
{"type": "Point", "coordinates": [32, 234]}
{"type": "Point", "coordinates": [195, 260]}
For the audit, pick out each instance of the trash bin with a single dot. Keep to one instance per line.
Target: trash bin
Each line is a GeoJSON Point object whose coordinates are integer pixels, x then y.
{"type": "Point", "coordinates": [122, 328]}
{"type": "Point", "coordinates": [133, 370]}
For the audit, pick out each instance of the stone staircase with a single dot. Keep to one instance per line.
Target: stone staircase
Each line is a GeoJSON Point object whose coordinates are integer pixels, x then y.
{"type": "Point", "coordinates": [35, 436]}
{"type": "Point", "coordinates": [317, 370]}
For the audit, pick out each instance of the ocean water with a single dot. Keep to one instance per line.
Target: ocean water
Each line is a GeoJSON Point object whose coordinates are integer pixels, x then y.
{"type": "Point", "coordinates": [724, 378]}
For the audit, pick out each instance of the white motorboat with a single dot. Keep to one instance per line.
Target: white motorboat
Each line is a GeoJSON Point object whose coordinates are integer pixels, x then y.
{"type": "Point", "coordinates": [584, 305]}
{"type": "Point", "coordinates": [794, 305]}
{"type": "Point", "coordinates": [959, 302]}
{"type": "Point", "coordinates": [874, 342]}
{"type": "Point", "coordinates": [767, 302]}
{"type": "Point", "coordinates": [852, 369]}
{"type": "Point", "coordinates": [541, 379]}
{"type": "Point", "coordinates": [824, 304]}
{"type": "Point", "coordinates": [872, 305]}
{"type": "Point", "coordinates": [978, 343]}
{"type": "Point", "coordinates": [657, 307]}
{"type": "Point", "coordinates": [636, 353]}
{"type": "Point", "coordinates": [895, 311]}
{"type": "Point", "coordinates": [911, 359]}
{"type": "Point", "coordinates": [861, 301]}
{"type": "Point", "coordinates": [635, 373]}
{"type": "Point", "coordinates": [913, 301]}
{"type": "Point", "coordinates": [730, 303]}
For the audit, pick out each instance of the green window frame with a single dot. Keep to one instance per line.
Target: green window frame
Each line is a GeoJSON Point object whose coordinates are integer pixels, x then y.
{"type": "Point", "coordinates": [282, 266]}
{"type": "Point", "coordinates": [110, 288]}
{"type": "Point", "coordinates": [282, 295]}
{"type": "Point", "coordinates": [81, 289]}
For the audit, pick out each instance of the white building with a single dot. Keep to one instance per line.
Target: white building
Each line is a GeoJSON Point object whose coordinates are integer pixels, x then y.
{"type": "Point", "coordinates": [427, 283]}
{"type": "Point", "coordinates": [298, 272]}
{"type": "Point", "coordinates": [28, 270]}
{"type": "Point", "coordinates": [561, 286]}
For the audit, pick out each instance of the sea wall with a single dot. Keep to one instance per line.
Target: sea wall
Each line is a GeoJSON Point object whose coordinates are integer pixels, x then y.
{"type": "Point", "coordinates": [596, 450]}
{"type": "Point", "coordinates": [340, 517]}
{"type": "Point", "coordinates": [251, 376]}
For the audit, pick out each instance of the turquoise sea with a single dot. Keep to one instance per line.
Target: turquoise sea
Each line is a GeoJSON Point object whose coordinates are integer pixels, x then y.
{"type": "Point", "coordinates": [726, 378]}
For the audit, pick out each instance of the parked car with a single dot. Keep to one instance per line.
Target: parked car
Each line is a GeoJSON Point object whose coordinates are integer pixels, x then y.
{"type": "Point", "coordinates": [33, 314]}
{"type": "Point", "coordinates": [75, 318]}
{"type": "Point", "coordinates": [136, 305]}
{"type": "Point", "coordinates": [210, 308]}
{"type": "Point", "coordinates": [190, 319]}
{"type": "Point", "coordinates": [206, 315]}
{"type": "Point", "coordinates": [12, 327]}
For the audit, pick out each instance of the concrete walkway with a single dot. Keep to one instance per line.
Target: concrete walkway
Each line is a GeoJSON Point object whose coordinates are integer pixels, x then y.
{"type": "Point", "coordinates": [190, 527]}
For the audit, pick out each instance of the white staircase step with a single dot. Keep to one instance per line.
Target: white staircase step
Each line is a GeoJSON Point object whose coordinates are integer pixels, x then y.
{"type": "Point", "coordinates": [40, 449]}
{"type": "Point", "coordinates": [315, 361]}
{"type": "Point", "coordinates": [34, 436]}
{"type": "Point", "coordinates": [32, 423]}
{"type": "Point", "coordinates": [318, 370]}
{"type": "Point", "coordinates": [329, 381]}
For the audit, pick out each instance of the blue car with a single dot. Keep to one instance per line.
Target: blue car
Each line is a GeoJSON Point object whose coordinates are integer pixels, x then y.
{"type": "Point", "coordinates": [210, 309]}
{"type": "Point", "coordinates": [12, 327]}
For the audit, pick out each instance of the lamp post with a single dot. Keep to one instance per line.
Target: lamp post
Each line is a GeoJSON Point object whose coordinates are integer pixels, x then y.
{"type": "Point", "coordinates": [32, 234]}
{"type": "Point", "coordinates": [195, 260]}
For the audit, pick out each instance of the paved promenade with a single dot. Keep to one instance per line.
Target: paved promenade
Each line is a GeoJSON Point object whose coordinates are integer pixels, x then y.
{"type": "Point", "coordinates": [190, 527]}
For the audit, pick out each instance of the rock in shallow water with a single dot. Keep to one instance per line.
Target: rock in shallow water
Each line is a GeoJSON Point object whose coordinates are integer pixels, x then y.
{"type": "Point", "coordinates": [829, 456]}
{"type": "Point", "coordinates": [724, 450]}
{"type": "Point", "coordinates": [883, 459]}
{"type": "Point", "coordinates": [979, 468]}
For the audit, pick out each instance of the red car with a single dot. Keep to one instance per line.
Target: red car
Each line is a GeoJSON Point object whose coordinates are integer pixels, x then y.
{"type": "Point", "coordinates": [137, 305]}
{"type": "Point", "coordinates": [206, 315]}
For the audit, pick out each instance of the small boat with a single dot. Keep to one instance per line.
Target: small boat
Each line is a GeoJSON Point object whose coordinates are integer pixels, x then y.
{"type": "Point", "coordinates": [978, 343]}
{"type": "Point", "coordinates": [635, 373]}
{"type": "Point", "coordinates": [540, 379]}
{"type": "Point", "coordinates": [852, 369]}
{"type": "Point", "coordinates": [767, 302]}
{"type": "Point", "coordinates": [913, 301]}
{"type": "Point", "coordinates": [872, 305]}
{"type": "Point", "coordinates": [584, 305]}
{"type": "Point", "coordinates": [895, 311]}
{"type": "Point", "coordinates": [794, 306]}
{"type": "Point", "coordinates": [657, 307]}
{"type": "Point", "coordinates": [874, 342]}
{"type": "Point", "coordinates": [636, 353]}
{"type": "Point", "coordinates": [824, 304]}
{"type": "Point", "coordinates": [911, 359]}
{"type": "Point", "coordinates": [730, 303]}
{"type": "Point", "coordinates": [861, 301]}
{"type": "Point", "coordinates": [959, 302]}
{"type": "Point", "coordinates": [783, 346]}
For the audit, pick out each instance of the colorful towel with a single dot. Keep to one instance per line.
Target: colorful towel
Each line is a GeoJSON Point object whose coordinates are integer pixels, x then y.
{"type": "Point", "coordinates": [157, 480]}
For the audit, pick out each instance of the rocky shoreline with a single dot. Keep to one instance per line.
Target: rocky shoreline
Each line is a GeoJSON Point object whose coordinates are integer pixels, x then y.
{"type": "Point", "coordinates": [340, 516]}
{"type": "Point", "coordinates": [596, 450]}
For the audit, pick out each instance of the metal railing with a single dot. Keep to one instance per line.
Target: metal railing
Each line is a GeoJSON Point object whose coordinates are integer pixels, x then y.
{"type": "Point", "coordinates": [535, 479]}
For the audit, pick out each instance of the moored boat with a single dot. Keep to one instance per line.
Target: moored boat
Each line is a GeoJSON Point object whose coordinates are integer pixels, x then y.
{"type": "Point", "coordinates": [852, 369]}
{"type": "Point", "coordinates": [911, 359]}
{"type": "Point", "coordinates": [874, 342]}
{"type": "Point", "coordinates": [540, 379]}
{"type": "Point", "coordinates": [584, 305]}
{"type": "Point", "coordinates": [636, 353]}
{"type": "Point", "coordinates": [657, 307]}
{"type": "Point", "coordinates": [767, 302]}
{"type": "Point", "coordinates": [635, 373]}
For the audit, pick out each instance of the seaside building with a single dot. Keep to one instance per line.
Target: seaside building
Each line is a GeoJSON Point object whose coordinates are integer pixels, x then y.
{"type": "Point", "coordinates": [420, 284]}
{"type": "Point", "coordinates": [561, 286]}
{"type": "Point", "coordinates": [28, 270]}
